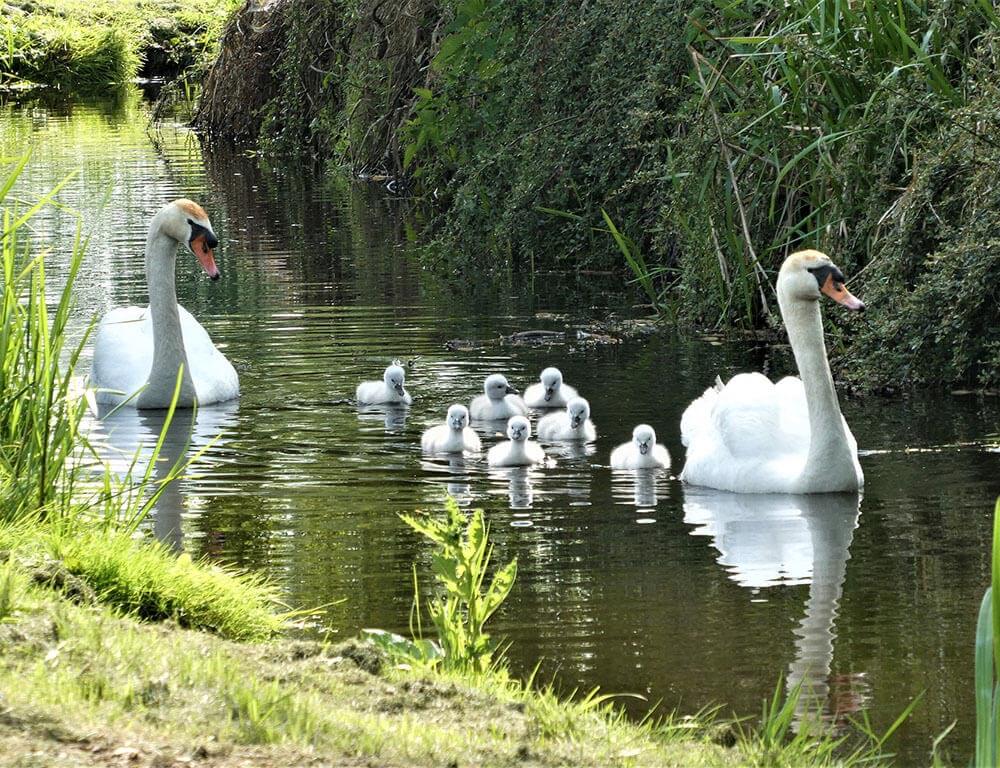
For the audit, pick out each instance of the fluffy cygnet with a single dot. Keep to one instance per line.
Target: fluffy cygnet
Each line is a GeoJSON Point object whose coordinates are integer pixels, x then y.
{"type": "Point", "coordinates": [519, 451]}
{"type": "Point", "coordinates": [642, 452]}
{"type": "Point", "coordinates": [500, 400]}
{"type": "Point", "coordinates": [454, 436]}
{"type": "Point", "coordinates": [572, 424]}
{"type": "Point", "coordinates": [389, 390]}
{"type": "Point", "coordinates": [551, 392]}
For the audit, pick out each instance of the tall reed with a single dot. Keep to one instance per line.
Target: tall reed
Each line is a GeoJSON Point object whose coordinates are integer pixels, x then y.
{"type": "Point", "coordinates": [39, 410]}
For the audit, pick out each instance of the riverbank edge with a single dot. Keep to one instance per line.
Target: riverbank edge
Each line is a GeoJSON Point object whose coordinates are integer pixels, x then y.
{"type": "Point", "coordinates": [82, 684]}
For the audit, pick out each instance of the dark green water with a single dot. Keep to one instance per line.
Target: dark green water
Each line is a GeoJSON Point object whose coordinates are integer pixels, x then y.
{"type": "Point", "coordinates": [633, 584]}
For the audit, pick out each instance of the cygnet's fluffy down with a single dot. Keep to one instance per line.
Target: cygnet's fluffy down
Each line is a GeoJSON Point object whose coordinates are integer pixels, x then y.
{"type": "Point", "coordinates": [390, 390]}
{"type": "Point", "coordinates": [454, 436]}
{"type": "Point", "coordinates": [642, 452]}
{"type": "Point", "coordinates": [550, 392]}
{"type": "Point", "coordinates": [499, 401]}
{"type": "Point", "coordinates": [519, 451]}
{"type": "Point", "coordinates": [572, 424]}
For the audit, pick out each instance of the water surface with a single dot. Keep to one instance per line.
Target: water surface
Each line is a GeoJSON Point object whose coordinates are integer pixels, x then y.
{"type": "Point", "coordinates": [631, 582]}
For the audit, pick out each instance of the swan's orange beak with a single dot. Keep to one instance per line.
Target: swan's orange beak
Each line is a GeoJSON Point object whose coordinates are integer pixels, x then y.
{"type": "Point", "coordinates": [839, 293]}
{"type": "Point", "coordinates": [199, 246]}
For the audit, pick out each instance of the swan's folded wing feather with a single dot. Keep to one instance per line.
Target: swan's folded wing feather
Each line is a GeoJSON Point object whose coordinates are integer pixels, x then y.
{"type": "Point", "coordinates": [697, 417]}
{"type": "Point", "coordinates": [123, 354]}
{"type": "Point", "coordinates": [215, 379]}
{"type": "Point", "coordinates": [746, 415]}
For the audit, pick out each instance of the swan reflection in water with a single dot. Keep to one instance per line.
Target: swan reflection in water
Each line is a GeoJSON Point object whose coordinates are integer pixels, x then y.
{"type": "Point", "coordinates": [458, 480]}
{"type": "Point", "coordinates": [128, 433]}
{"type": "Point", "coordinates": [392, 416]}
{"type": "Point", "coordinates": [520, 484]}
{"type": "Point", "coordinates": [641, 488]}
{"type": "Point", "coordinates": [765, 540]}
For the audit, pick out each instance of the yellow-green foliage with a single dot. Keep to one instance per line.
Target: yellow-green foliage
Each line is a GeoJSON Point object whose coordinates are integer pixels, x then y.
{"type": "Point", "coordinates": [92, 46]}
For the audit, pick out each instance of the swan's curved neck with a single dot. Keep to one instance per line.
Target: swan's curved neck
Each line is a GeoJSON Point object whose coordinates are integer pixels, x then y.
{"type": "Point", "coordinates": [830, 460]}
{"type": "Point", "coordinates": [168, 339]}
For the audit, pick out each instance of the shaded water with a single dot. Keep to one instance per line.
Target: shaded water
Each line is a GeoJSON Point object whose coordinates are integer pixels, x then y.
{"type": "Point", "coordinates": [633, 583]}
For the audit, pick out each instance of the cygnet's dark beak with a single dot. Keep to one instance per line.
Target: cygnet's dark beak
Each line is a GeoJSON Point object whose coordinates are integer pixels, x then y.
{"type": "Point", "coordinates": [399, 388]}
{"type": "Point", "coordinates": [549, 391]}
{"type": "Point", "coordinates": [643, 448]}
{"type": "Point", "coordinates": [574, 421]}
{"type": "Point", "coordinates": [511, 390]}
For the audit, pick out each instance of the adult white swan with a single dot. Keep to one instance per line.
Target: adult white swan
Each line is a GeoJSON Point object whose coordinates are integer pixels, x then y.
{"type": "Point", "coordinates": [143, 348]}
{"type": "Point", "coordinates": [752, 436]}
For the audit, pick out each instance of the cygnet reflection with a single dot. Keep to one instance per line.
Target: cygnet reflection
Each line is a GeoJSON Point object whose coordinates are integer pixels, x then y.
{"type": "Point", "coordinates": [392, 416]}
{"type": "Point", "coordinates": [765, 540]}
{"type": "Point", "coordinates": [128, 437]}
{"type": "Point", "coordinates": [519, 485]}
{"type": "Point", "coordinates": [642, 488]}
{"type": "Point", "coordinates": [456, 474]}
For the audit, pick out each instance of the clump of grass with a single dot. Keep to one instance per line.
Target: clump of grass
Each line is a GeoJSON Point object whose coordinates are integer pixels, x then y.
{"type": "Point", "coordinates": [147, 580]}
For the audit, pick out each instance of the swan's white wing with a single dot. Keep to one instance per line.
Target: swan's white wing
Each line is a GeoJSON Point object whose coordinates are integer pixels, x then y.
{"type": "Point", "coordinates": [534, 452]}
{"type": "Point", "coordinates": [697, 417]}
{"type": "Point", "coordinates": [471, 440]}
{"type": "Point", "coordinates": [433, 437]}
{"type": "Point", "coordinates": [123, 354]}
{"type": "Point", "coordinates": [214, 377]}
{"type": "Point", "coordinates": [746, 416]}
{"type": "Point", "coordinates": [747, 436]}
{"type": "Point", "coordinates": [793, 418]}
{"type": "Point", "coordinates": [534, 397]}
{"type": "Point", "coordinates": [661, 455]}
{"type": "Point", "coordinates": [553, 426]}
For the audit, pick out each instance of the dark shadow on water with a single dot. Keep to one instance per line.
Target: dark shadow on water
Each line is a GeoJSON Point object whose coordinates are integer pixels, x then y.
{"type": "Point", "coordinates": [769, 540]}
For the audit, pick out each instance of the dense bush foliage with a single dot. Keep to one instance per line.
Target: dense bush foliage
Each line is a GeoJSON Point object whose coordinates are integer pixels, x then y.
{"type": "Point", "coordinates": [710, 138]}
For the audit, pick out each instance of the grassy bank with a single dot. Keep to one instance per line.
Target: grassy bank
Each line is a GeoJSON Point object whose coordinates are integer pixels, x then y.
{"type": "Point", "coordinates": [90, 47]}
{"type": "Point", "coordinates": [716, 138]}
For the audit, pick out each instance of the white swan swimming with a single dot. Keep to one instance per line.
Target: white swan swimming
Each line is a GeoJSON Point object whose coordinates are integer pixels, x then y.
{"type": "Point", "coordinates": [550, 392]}
{"type": "Point", "coordinates": [454, 436]}
{"type": "Point", "coordinates": [519, 451]}
{"type": "Point", "coordinates": [572, 424]}
{"type": "Point", "coordinates": [389, 391]}
{"type": "Point", "coordinates": [500, 400]}
{"type": "Point", "coordinates": [143, 348]}
{"type": "Point", "coordinates": [642, 452]}
{"type": "Point", "coordinates": [752, 436]}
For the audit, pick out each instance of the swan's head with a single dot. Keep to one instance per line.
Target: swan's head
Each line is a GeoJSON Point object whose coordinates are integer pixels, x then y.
{"type": "Point", "coordinates": [394, 377]}
{"type": "Point", "coordinates": [518, 429]}
{"type": "Point", "coordinates": [644, 437]}
{"type": "Point", "coordinates": [187, 223]}
{"type": "Point", "coordinates": [551, 379]}
{"type": "Point", "coordinates": [579, 411]}
{"type": "Point", "coordinates": [497, 388]}
{"type": "Point", "coordinates": [458, 417]}
{"type": "Point", "coordinates": [807, 274]}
